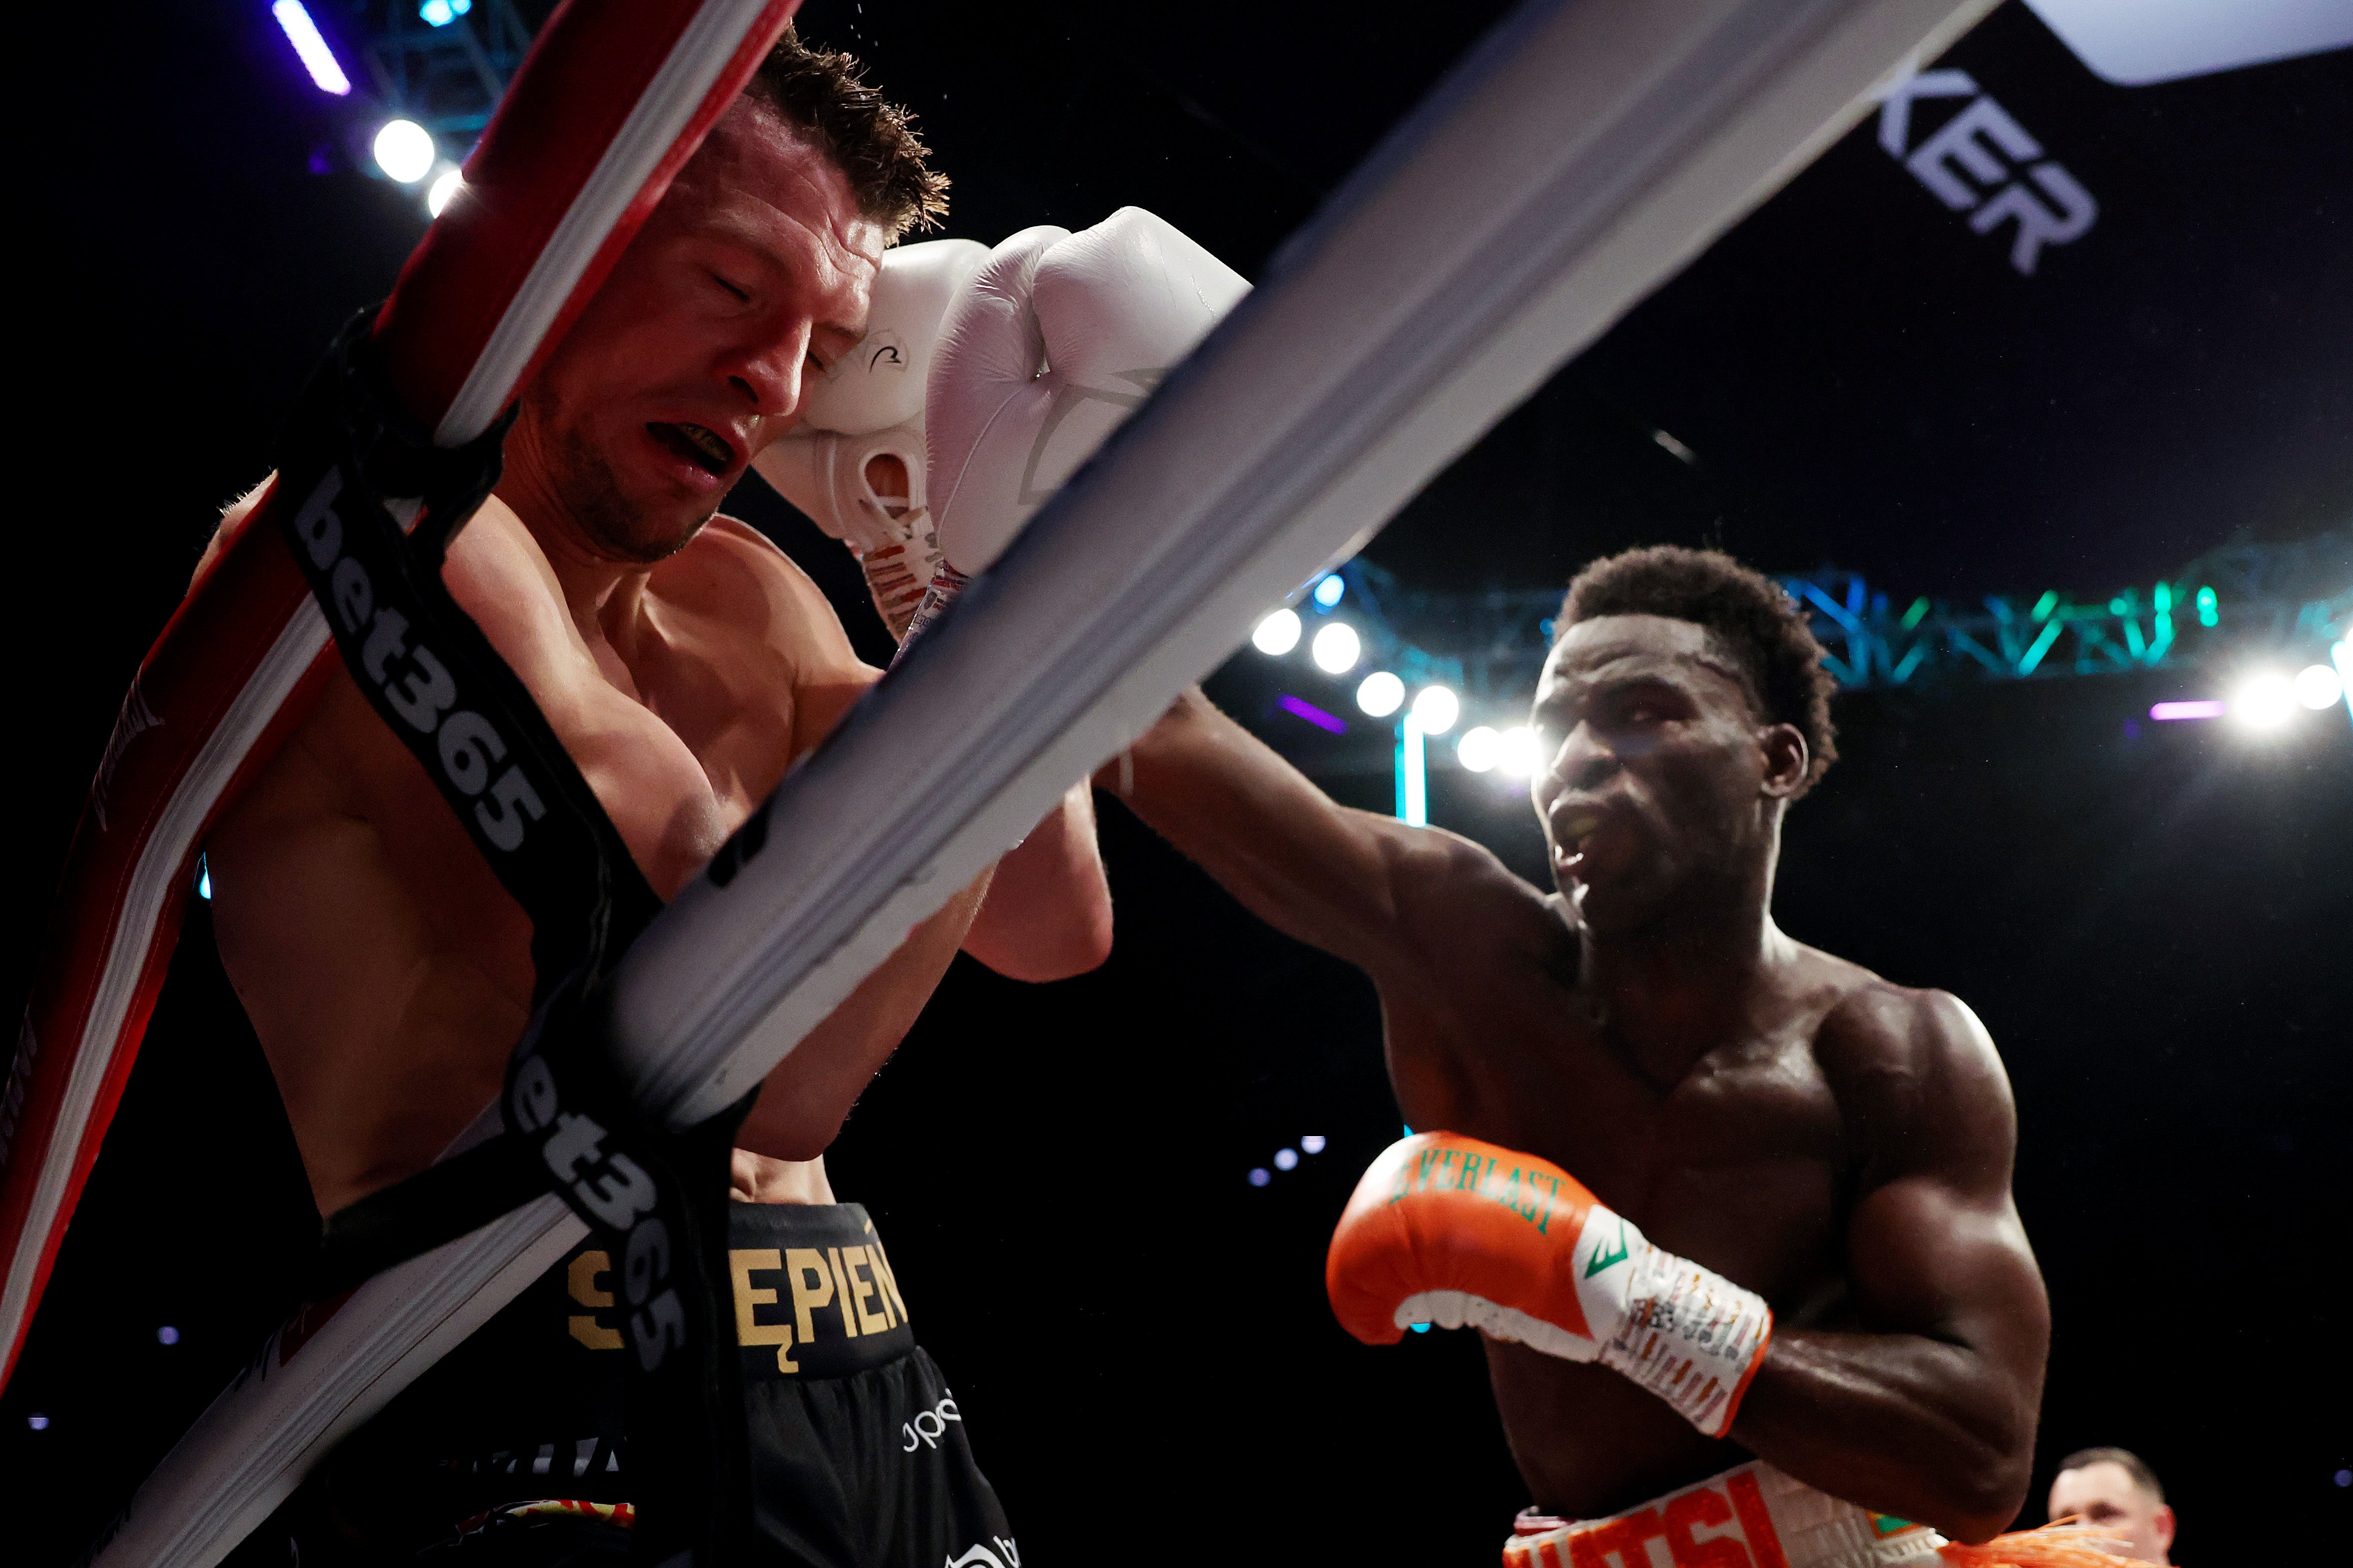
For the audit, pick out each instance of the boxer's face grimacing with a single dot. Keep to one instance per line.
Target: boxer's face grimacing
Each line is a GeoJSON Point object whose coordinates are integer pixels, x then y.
{"type": "Point", "coordinates": [753, 273]}
{"type": "Point", "coordinates": [1660, 781]}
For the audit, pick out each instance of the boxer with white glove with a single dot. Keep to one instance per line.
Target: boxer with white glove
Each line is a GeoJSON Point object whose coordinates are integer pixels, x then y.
{"type": "Point", "coordinates": [1452, 1230]}
{"type": "Point", "coordinates": [855, 461]}
{"type": "Point", "coordinates": [1057, 341]}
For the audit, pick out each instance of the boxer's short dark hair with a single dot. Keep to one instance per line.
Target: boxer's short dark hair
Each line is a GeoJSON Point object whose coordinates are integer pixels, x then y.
{"type": "Point", "coordinates": [2135, 1466]}
{"type": "Point", "coordinates": [1752, 617]}
{"type": "Point", "coordinates": [823, 94]}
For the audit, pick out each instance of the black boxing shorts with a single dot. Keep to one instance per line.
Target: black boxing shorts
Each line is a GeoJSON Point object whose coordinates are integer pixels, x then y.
{"type": "Point", "coordinates": [512, 1453]}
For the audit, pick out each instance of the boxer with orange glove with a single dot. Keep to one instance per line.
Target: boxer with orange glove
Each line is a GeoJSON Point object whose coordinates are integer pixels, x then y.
{"type": "Point", "coordinates": [1793, 1285]}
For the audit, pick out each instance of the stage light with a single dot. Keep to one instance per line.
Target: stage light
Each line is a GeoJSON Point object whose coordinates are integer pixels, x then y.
{"type": "Point", "coordinates": [1478, 749]}
{"type": "Point", "coordinates": [1518, 757]}
{"type": "Point", "coordinates": [311, 46]}
{"type": "Point", "coordinates": [1336, 648]}
{"type": "Point", "coordinates": [1380, 694]}
{"type": "Point", "coordinates": [167, 1335]}
{"type": "Point", "coordinates": [1436, 708]}
{"type": "Point", "coordinates": [2264, 702]}
{"type": "Point", "coordinates": [2317, 687]}
{"type": "Point", "coordinates": [1260, 1176]}
{"type": "Point", "coordinates": [1328, 592]}
{"type": "Point", "coordinates": [1286, 1159]}
{"type": "Point", "coordinates": [1313, 1143]}
{"type": "Point", "coordinates": [2201, 710]}
{"type": "Point", "coordinates": [448, 183]}
{"type": "Point", "coordinates": [441, 13]}
{"type": "Point", "coordinates": [1278, 634]}
{"type": "Point", "coordinates": [403, 151]}
{"type": "Point", "coordinates": [2210, 607]}
{"type": "Point", "coordinates": [37, 1422]}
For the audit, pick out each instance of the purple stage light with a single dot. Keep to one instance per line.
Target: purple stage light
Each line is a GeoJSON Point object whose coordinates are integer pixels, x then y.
{"type": "Point", "coordinates": [1299, 707]}
{"type": "Point", "coordinates": [2206, 710]}
{"type": "Point", "coordinates": [317, 58]}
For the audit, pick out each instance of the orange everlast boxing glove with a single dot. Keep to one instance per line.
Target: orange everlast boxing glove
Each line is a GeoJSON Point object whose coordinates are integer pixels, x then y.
{"type": "Point", "coordinates": [1449, 1230]}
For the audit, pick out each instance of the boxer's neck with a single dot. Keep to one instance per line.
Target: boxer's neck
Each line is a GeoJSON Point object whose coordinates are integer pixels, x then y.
{"type": "Point", "coordinates": [604, 593]}
{"type": "Point", "coordinates": [1675, 988]}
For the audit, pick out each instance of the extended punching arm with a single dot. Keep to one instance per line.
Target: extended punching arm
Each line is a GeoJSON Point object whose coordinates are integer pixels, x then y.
{"type": "Point", "coordinates": [1335, 878]}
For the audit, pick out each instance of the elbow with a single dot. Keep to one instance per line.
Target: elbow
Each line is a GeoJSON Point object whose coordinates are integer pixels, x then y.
{"type": "Point", "coordinates": [784, 1125]}
{"type": "Point", "coordinates": [1985, 1493]}
{"type": "Point", "coordinates": [1081, 948]}
{"type": "Point", "coordinates": [1089, 947]}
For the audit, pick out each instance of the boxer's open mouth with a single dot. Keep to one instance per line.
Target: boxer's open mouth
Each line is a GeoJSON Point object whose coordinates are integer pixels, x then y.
{"type": "Point", "coordinates": [1573, 827]}
{"type": "Point", "coordinates": [696, 445]}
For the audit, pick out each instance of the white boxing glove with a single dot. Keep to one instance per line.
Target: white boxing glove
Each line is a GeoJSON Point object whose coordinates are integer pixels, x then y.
{"type": "Point", "coordinates": [1058, 340]}
{"type": "Point", "coordinates": [870, 405]}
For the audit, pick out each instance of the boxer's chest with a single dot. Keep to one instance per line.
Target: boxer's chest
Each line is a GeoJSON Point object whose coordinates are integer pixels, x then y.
{"type": "Point", "coordinates": [1740, 1164]}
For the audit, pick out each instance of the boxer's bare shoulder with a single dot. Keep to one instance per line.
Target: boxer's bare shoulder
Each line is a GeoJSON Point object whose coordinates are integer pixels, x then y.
{"type": "Point", "coordinates": [1466, 956]}
{"type": "Point", "coordinates": [1899, 1058]}
{"type": "Point", "coordinates": [385, 969]}
{"type": "Point", "coordinates": [679, 697]}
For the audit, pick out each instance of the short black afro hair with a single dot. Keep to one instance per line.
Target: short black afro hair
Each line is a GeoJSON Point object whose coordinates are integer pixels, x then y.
{"type": "Point", "coordinates": [1752, 615]}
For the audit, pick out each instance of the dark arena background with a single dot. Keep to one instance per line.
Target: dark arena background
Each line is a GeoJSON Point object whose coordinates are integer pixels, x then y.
{"type": "Point", "coordinates": [2031, 507]}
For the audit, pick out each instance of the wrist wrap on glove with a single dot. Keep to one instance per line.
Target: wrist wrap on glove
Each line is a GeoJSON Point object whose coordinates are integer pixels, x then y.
{"type": "Point", "coordinates": [869, 405]}
{"type": "Point", "coordinates": [1453, 1231]}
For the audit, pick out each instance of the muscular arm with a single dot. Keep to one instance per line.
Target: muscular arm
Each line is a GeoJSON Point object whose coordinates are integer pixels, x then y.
{"type": "Point", "coordinates": [1305, 864]}
{"type": "Point", "coordinates": [673, 807]}
{"type": "Point", "coordinates": [806, 1098]}
{"type": "Point", "coordinates": [1929, 1410]}
{"type": "Point", "coordinates": [1047, 914]}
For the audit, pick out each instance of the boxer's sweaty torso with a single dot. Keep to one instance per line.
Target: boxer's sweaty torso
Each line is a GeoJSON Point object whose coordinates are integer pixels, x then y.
{"type": "Point", "coordinates": [1744, 1162]}
{"type": "Point", "coordinates": [385, 971]}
